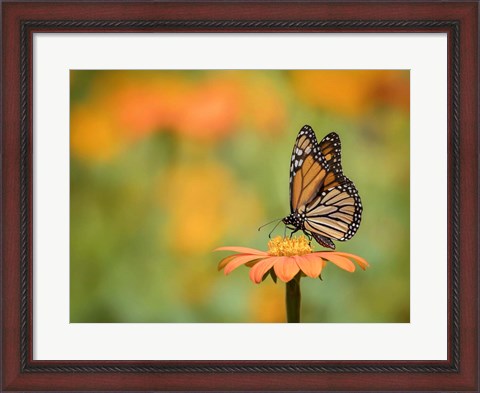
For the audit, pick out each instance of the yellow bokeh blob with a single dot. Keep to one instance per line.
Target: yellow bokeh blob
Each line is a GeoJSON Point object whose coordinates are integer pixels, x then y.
{"type": "Point", "coordinates": [267, 302]}
{"type": "Point", "coordinates": [93, 135]}
{"type": "Point", "coordinates": [265, 106]}
{"type": "Point", "coordinates": [202, 202]}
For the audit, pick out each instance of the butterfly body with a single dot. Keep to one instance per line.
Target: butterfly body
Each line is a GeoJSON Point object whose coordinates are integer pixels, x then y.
{"type": "Point", "coordinates": [324, 203]}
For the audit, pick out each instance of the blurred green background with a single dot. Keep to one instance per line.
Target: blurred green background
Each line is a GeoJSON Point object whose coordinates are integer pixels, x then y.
{"type": "Point", "coordinates": [168, 165]}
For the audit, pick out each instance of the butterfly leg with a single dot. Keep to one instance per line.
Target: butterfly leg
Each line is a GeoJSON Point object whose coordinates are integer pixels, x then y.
{"type": "Point", "coordinates": [309, 236]}
{"type": "Point", "coordinates": [291, 233]}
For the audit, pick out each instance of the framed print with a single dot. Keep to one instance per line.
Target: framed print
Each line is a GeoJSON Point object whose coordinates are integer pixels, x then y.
{"type": "Point", "coordinates": [145, 151]}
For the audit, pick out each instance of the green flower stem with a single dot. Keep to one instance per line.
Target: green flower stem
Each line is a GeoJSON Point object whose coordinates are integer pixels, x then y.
{"type": "Point", "coordinates": [293, 298]}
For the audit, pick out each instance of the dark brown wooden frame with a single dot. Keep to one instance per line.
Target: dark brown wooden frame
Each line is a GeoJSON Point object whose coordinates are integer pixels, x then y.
{"type": "Point", "coordinates": [21, 19]}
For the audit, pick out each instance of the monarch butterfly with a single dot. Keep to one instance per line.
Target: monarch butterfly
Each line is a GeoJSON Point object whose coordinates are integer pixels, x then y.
{"type": "Point", "coordinates": [324, 203]}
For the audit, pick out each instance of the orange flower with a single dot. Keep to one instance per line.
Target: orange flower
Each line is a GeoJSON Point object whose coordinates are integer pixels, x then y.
{"type": "Point", "coordinates": [286, 257]}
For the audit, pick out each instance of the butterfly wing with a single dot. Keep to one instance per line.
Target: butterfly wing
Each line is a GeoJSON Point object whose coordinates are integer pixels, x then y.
{"type": "Point", "coordinates": [335, 213]}
{"type": "Point", "coordinates": [323, 241]}
{"type": "Point", "coordinates": [330, 147]}
{"type": "Point", "coordinates": [308, 169]}
{"type": "Point", "coordinates": [319, 188]}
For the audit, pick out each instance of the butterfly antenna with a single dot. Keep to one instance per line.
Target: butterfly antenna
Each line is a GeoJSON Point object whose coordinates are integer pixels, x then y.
{"type": "Point", "coordinates": [268, 223]}
{"type": "Point", "coordinates": [276, 225]}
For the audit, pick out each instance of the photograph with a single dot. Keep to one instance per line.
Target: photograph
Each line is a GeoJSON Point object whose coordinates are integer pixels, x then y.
{"type": "Point", "coordinates": [239, 196]}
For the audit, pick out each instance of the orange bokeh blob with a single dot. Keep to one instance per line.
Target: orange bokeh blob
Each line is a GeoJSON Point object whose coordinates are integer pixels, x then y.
{"type": "Point", "coordinates": [352, 92]}
{"type": "Point", "coordinates": [211, 110]}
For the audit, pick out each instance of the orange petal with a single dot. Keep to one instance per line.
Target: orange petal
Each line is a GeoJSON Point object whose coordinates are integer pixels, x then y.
{"type": "Point", "coordinates": [237, 261]}
{"type": "Point", "coordinates": [286, 268]}
{"type": "Point", "coordinates": [257, 272]}
{"type": "Point", "coordinates": [340, 261]}
{"type": "Point", "coordinates": [224, 262]}
{"type": "Point", "coordinates": [254, 262]}
{"type": "Point", "coordinates": [310, 264]}
{"type": "Point", "coordinates": [243, 250]}
{"type": "Point", "coordinates": [361, 262]}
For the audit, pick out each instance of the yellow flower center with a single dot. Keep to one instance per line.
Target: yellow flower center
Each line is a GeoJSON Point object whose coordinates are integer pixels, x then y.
{"type": "Point", "coordinates": [286, 247]}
